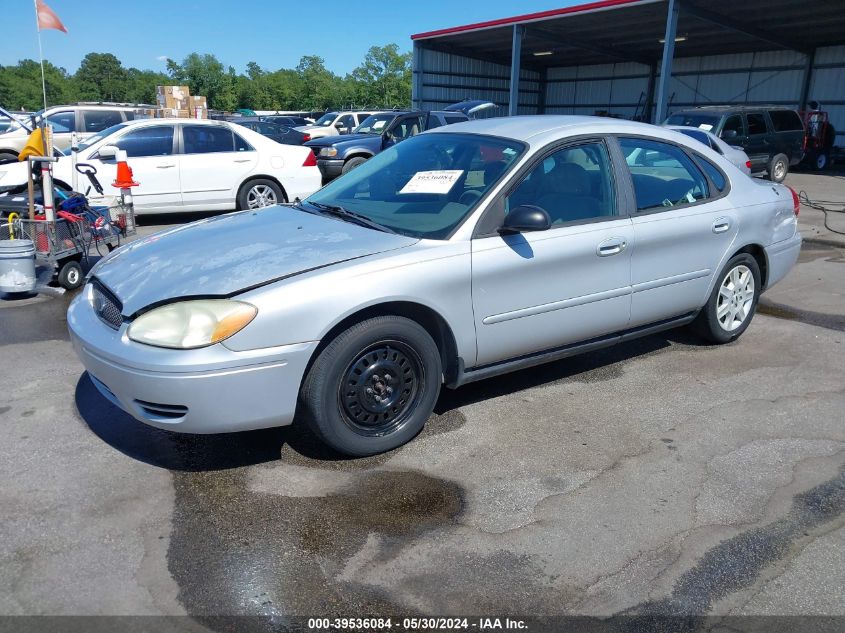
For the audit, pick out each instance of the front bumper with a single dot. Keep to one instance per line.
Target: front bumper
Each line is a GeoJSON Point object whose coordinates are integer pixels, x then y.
{"type": "Point", "coordinates": [330, 167]}
{"type": "Point", "coordinates": [781, 257]}
{"type": "Point", "coordinates": [207, 390]}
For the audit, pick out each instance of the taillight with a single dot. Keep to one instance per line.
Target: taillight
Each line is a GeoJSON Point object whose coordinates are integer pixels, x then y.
{"type": "Point", "coordinates": [748, 164]}
{"type": "Point", "coordinates": [310, 160]}
{"type": "Point", "coordinates": [796, 201]}
{"type": "Point", "coordinates": [306, 138]}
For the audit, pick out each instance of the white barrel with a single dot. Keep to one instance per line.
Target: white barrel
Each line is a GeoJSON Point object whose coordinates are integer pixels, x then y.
{"type": "Point", "coordinates": [17, 266]}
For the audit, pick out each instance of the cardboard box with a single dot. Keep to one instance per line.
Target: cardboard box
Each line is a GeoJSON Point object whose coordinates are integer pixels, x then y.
{"type": "Point", "coordinates": [169, 113]}
{"type": "Point", "coordinates": [173, 97]}
{"type": "Point", "coordinates": [198, 107]}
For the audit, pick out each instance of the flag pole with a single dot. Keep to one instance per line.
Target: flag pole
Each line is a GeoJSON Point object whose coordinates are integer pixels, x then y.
{"type": "Point", "coordinates": [40, 54]}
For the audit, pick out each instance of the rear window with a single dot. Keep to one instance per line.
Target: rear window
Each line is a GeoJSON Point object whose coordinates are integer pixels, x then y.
{"type": "Point", "coordinates": [700, 120]}
{"type": "Point", "coordinates": [785, 120]}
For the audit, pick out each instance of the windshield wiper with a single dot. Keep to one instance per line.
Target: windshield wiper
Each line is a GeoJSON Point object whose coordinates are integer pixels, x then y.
{"type": "Point", "coordinates": [345, 214]}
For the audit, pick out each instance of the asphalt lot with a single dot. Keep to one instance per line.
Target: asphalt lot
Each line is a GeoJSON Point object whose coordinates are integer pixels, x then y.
{"type": "Point", "coordinates": [662, 475]}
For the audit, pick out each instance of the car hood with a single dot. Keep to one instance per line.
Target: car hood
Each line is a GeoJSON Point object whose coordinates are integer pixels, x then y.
{"type": "Point", "coordinates": [228, 254]}
{"type": "Point", "coordinates": [340, 140]}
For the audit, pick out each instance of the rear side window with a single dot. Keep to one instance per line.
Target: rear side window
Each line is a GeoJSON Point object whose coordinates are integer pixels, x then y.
{"type": "Point", "coordinates": [714, 173]}
{"type": "Point", "coordinates": [99, 120]}
{"type": "Point", "coordinates": [148, 141]}
{"type": "Point", "coordinates": [756, 123]}
{"type": "Point", "coordinates": [206, 139]}
{"type": "Point", "coordinates": [663, 175]}
{"type": "Point", "coordinates": [785, 120]}
{"type": "Point", "coordinates": [241, 145]}
{"type": "Point", "coordinates": [454, 119]}
{"type": "Point", "coordinates": [433, 121]}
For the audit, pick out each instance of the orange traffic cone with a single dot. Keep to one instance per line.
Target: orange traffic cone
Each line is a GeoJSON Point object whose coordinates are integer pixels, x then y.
{"type": "Point", "coordinates": [124, 178]}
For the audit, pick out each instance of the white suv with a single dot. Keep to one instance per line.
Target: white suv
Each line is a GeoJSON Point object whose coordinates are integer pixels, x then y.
{"type": "Point", "coordinates": [84, 119]}
{"type": "Point", "coordinates": [334, 123]}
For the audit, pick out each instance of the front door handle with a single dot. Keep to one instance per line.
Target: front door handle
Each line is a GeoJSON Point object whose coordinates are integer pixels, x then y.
{"type": "Point", "coordinates": [611, 246]}
{"type": "Point", "coordinates": [721, 225]}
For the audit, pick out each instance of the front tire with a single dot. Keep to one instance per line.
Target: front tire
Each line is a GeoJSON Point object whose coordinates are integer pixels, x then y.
{"type": "Point", "coordinates": [259, 193]}
{"type": "Point", "coordinates": [352, 163]}
{"type": "Point", "coordinates": [373, 387]}
{"type": "Point", "coordinates": [732, 303]}
{"type": "Point", "coordinates": [70, 275]}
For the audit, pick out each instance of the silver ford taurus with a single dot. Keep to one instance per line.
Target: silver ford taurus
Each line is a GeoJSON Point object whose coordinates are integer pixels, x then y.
{"type": "Point", "coordinates": [462, 253]}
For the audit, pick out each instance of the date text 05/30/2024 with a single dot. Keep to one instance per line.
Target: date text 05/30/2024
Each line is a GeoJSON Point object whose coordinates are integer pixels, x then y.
{"type": "Point", "coordinates": [417, 624]}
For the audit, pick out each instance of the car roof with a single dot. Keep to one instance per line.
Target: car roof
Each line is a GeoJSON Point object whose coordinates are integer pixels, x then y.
{"type": "Point", "coordinates": [732, 108]}
{"type": "Point", "coordinates": [536, 126]}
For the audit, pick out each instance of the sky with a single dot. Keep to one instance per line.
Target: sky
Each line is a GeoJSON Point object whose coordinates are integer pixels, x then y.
{"type": "Point", "coordinates": [144, 33]}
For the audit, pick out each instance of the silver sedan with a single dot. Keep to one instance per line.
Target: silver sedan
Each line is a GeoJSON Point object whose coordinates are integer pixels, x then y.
{"type": "Point", "coordinates": [734, 154]}
{"type": "Point", "coordinates": [462, 253]}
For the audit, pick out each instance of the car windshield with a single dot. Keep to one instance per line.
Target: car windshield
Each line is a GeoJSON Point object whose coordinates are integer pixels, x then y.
{"type": "Point", "coordinates": [326, 119]}
{"type": "Point", "coordinates": [93, 140]}
{"type": "Point", "coordinates": [694, 119]}
{"type": "Point", "coordinates": [425, 186]}
{"type": "Point", "coordinates": [374, 124]}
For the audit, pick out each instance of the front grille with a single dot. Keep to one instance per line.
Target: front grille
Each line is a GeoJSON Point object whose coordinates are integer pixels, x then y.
{"type": "Point", "coordinates": [106, 306]}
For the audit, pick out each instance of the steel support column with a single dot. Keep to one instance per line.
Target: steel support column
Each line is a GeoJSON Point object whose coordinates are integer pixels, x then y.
{"type": "Point", "coordinates": [416, 77]}
{"type": "Point", "coordinates": [516, 57]}
{"type": "Point", "coordinates": [648, 106]}
{"type": "Point", "coordinates": [808, 79]}
{"type": "Point", "coordinates": [666, 62]}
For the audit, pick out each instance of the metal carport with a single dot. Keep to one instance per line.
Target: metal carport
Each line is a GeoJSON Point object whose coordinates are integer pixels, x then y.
{"type": "Point", "coordinates": [638, 58]}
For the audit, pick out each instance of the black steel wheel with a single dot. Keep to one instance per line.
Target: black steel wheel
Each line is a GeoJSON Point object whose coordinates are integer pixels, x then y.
{"type": "Point", "coordinates": [373, 386]}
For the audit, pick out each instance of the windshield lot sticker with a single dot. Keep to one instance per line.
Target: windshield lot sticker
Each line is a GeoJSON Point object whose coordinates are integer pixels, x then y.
{"type": "Point", "coordinates": [437, 181]}
{"type": "Point", "coordinates": [705, 126]}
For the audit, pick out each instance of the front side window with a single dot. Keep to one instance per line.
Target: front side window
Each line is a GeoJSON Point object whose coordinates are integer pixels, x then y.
{"type": "Point", "coordinates": [147, 141]}
{"type": "Point", "coordinates": [347, 121]}
{"type": "Point", "coordinates": [207, 139]}
{"type": "Point", "coordinates": [663, 175]}
{"type": "Point", "coordinates": [405, 128]}
{"type": "Point", "coordinates": [424, 187]}
{"type": "Point", "coordinates": [62, 122]}
{"type": "Point", "coordinates": [733, 127]}
{"type": "Point", "coordinates": [573, 184]}
{"type": "Point", "coordinates": [756, 123]}
{"type": "Point", "coordinates": [99, 120]}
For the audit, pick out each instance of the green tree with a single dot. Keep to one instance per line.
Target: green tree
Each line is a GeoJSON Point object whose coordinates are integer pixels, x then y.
{"type": "Point", "coordinates": [384, 79]}
{"type": "Point", "coordinates": [20, 85]}
{"type": "Point", "coordinates": [101, 77]}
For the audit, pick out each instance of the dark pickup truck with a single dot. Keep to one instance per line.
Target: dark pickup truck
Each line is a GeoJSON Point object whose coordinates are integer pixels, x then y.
{"type": "Point", "coordinates": [337, 155]}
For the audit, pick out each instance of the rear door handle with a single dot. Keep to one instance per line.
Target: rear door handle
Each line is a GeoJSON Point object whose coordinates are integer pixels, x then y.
{"type": "Point", "coordinates": [165, 165]}
{"type": "Point", "coordinates": [242, 160]}
{"type": "Point", "coordinates": [721, 225]}
{"type": "Point", "coordinates": [611, 246]}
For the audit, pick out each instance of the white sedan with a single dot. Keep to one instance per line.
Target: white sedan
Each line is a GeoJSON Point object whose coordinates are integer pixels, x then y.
{"type": "Point", "coordinates": [734, 154]}
{"type": "Point", "coordinates": [190, 165]}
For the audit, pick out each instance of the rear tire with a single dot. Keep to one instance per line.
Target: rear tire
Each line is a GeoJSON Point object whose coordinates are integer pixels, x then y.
{"type": "Point", "coordinates": [259, 193]}
{"type": "Point", "coordinates": [732, 304]}
{"type": "Point", "coordinates": [352, 163]}
{"type": "Point", "coordinates": [778, 168]}
{"type": "Point", "coordinates": [373, 387]}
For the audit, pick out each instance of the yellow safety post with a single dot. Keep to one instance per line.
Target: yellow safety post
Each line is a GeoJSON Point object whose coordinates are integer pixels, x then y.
{"type": "Point", "coordinates": [12, 217]}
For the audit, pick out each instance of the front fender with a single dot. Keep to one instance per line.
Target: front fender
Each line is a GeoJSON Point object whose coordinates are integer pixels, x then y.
{"type": "Point", "coordinates": [306, 307]}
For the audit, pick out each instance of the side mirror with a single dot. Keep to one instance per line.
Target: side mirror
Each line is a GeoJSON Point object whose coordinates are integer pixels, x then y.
{"type": "Point", "coordinates": [727, 134]}
{"type": "Point", "coordinates": [107, 152]}
{"type": "Point", "coordinates": [526, 218]}
{"type": "Point", "coordinates": [339, 125]}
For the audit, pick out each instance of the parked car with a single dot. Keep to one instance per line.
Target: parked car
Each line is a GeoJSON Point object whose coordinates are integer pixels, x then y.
{"type": "Point", "coordinates": [465, 252]}
{"type": "Point", "coordinates": [191, 165]}
{"type": "Point", "coordinates": [337, 155]}
{"type": "Point", "coordinates": [85, 120]}
{"type": "Point", "coordinates": [278, 133]}
{"type": "Point", "coordinates": [335, 123]}
{"type": "Point", "coordinates": [734, 154]}
{"type": "Point", "coordinates": [286, 120]}
{"type": "Point", "coordinates": [773, 136]}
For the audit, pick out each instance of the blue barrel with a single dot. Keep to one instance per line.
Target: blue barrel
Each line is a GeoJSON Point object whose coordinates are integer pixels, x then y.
{"type": "Point", "coordinates": [17, 266]}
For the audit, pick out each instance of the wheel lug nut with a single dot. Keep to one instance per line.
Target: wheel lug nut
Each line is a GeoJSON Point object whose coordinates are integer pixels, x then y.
{"type": "Point", "coordinates": [369, 391]}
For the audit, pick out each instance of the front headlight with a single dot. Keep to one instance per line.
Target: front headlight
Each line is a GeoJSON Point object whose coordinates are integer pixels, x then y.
{"type": "Point", "coordinates": [328, 151]}
{"type": "Point", "coordinates": [192, 324]}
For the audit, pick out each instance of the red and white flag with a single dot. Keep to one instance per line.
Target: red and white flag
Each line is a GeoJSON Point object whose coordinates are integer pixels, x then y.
{"type": "Point", "coordinates": [46, 18]}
